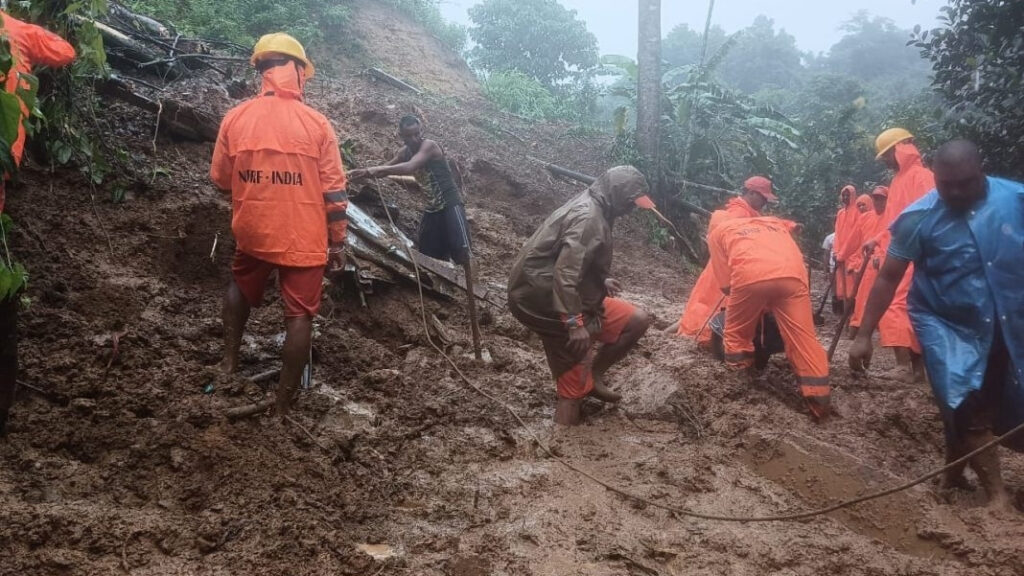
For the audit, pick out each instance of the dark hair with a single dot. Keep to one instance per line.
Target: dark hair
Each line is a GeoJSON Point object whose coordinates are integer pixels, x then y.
{"type": "Point", "coordinates": [408, 121]}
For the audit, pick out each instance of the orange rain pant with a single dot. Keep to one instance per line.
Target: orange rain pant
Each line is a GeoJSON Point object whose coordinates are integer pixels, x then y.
{"type": "Point", "coordinates": [894, 329]}
{"type": "Point", "coordinates": [866, 283]}
{"type": "Point", "coordinates": [790, 301]}
{"type": "Point", "coordinates": [617, 314]}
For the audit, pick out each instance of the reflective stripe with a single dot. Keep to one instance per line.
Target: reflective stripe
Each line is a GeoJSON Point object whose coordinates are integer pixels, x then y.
{"type": "Point", "coordinates": [815, 391]}
{"type": "Point", "coordinates": [335, 196]}
{"type": "Point", "coordinates": [336, 216]}
{"type": "Point", "coordinates": [738, 356]}
{"type": "Point", "coordinates": [813, 380]}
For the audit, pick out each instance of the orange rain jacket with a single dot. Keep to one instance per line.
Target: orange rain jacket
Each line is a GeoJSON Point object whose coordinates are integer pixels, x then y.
{"type": "Point", "coordinates": [843, 247]}
{"type": "Point", "coordinates": [871, 226]}
{"type": "Point", "coordinates": [706, 294]}
{"type": "Point", "coordinates": [280, 160]}
{"type": "Point", "coordinates": [753, 250]}
{"type": "Point", "coordinates": [31, 46]}
{"type": "Point", "coordinates": [862, 231]}
{"type": "Point", "coordinates": [908, 185]}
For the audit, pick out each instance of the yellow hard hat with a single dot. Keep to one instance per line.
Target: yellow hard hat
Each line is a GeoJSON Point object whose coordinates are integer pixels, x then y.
{"type": "Point", "coordinates": [890, 138]}
{"type": "Point", "coordinates": [281, 43]}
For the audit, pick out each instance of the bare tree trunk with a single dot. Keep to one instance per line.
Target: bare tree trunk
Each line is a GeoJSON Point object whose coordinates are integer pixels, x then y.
{"type": "Point", "coordinates": [648, 93]}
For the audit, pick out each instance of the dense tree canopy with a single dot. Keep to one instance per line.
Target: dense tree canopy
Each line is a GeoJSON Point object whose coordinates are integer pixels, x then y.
{"type": "Point", "coordinates": [539, 38]}
{"type": "Point", "coordinates": [977, 60]}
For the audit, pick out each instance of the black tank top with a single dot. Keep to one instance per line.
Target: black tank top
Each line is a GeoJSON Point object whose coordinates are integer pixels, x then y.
{"type": "Point", "coordinates": [436, 180]}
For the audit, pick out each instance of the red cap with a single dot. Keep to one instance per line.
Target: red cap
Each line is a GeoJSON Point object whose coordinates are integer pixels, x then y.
{"type": "Point", "coordinates": [880, 191]}
{"type": "Point", "coordinates": [644, 202]}
{"type": "Point", "coordinates": [762, 186]}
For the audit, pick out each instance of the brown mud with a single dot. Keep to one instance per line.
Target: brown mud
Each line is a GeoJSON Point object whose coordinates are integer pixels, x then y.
{"type": "Point", "coordinates": [391, 465]}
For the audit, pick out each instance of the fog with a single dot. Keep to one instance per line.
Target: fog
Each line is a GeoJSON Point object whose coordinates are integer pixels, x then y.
{"type": "Point", "coordinates": [815, 24]}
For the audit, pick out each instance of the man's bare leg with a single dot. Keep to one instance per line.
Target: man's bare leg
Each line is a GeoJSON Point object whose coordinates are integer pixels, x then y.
{"type": "Point", "coordinates": [235, 315]}
{"type": "Point", "coordinates": [917, 365]}
{"type": "Point", "coordinates": [954, 477]}
{"type": "Point", "coordinates": [612, 353]}
{"type": "Point", "coordinates": [986, 466]}
{"type": "Point", "coordinates": [568, 411]}
{"type": "Point", "coordinates": [294, 355]}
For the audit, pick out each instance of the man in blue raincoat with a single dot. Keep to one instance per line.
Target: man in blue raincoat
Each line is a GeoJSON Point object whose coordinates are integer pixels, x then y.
{"type": "Point", "coordinates": [966, 304]}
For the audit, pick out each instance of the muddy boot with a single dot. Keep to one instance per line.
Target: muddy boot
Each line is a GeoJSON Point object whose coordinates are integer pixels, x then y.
{"type": "Point", "coordinates": [567, 411]}
{"type": "Point", "coordinates": [851, 332]}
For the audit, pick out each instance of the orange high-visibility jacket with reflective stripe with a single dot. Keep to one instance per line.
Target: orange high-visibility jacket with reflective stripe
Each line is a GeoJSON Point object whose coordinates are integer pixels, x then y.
{"type": "Point", "coordinates": [280, 160]}
{"type": "Point", "coordinates": [706, 292]}
{"type": "Point", "coordinates": [31, 46]}
{"type": "Point", "coordinates": [745, 251]}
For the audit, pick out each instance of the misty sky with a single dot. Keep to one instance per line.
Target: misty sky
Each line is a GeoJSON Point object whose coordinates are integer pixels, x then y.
{"type": "Point", "coordinates": [814, 23]}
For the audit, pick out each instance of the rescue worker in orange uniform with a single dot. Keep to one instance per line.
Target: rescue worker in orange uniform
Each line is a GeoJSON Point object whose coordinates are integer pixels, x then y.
{"type": "Point", "coordinates": [871, 226]}
{"type": "Point", "coordinates": [706, 296]}
{"type": "Point", "coordinates": [911, 181]}
{"type": "Point", "coordinates": [280, 160]}
{"type": "Point", "coordinates": [560, 289]}
{"type": "Point", "coordinates": [31, 46]}
{"type": "Point", "coordinates": [760, 268]}
{"type": "Point", "coordinates": [863, 211]}
{"type": "Point", "coordinates": [846, 224]}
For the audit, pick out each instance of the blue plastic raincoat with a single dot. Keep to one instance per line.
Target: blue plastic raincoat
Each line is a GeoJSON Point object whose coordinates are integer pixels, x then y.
{"type": "Point", "coordinates": [968, 279]}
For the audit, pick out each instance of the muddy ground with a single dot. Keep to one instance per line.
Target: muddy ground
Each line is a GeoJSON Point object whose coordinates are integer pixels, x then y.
{"type": "Point", "coordinates": [119, 459]}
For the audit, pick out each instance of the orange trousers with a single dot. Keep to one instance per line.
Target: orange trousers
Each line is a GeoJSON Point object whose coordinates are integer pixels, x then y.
{"type": "Point", "coordinates": [790, 301]}
{"type": "Point", "coordinates": [894, 329]}
{"type": "Point", "coordinates": [867, 282]}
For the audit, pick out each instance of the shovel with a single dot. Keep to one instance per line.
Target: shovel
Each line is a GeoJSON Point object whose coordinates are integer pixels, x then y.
{"type": "Point", "coordinates": [849, 312]}
{"type": "Point", "coordinates": [819, 318]}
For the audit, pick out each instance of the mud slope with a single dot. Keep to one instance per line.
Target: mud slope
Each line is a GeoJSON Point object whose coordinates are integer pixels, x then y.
{"type": "Point", "coordinates": [119, 459]}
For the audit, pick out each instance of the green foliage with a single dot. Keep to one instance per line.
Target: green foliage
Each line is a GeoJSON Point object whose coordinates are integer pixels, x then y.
{"type": "Point", "coordinates": [13, 276]}
{"type": "Point", "coordinates": [538, 38]}
{"type": "Point", "coordinates": [520, 94]}
{"type": "Point", "coordinates": [427, 13]}
{"type": "Point", "coordinates": [64, 119]}
{"type": "Point", "coordinates": [874, 52]}
{"type": "Point", "coordinates": [244, 21]}
{"type": "Point", "coordinates": [709, 133]}
{"type": "Point", "coordinates": [977, 57]}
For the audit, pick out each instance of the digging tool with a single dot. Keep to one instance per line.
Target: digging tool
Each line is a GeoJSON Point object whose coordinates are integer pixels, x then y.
{"type": "Point", "coordinates": [471, 304]}
{"type": "Point", "coordinates": [848, 313]}
{"type": "Point", "coordinates": [819, 318]}
{"type": "Point", "coordinates": [714, 312]}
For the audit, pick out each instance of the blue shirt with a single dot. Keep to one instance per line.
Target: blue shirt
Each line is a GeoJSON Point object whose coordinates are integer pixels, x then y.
{"type": "Point", "coordinates": [968, 281]}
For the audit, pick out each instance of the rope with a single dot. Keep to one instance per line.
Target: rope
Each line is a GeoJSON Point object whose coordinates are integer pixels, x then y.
{"type": "Point", "coordinates": [795, 516]}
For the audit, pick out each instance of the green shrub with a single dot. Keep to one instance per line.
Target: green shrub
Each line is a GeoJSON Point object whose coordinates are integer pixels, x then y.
{"type": "Point", "coordinates": [520, 94]}
{"type": "Point", "coordinates": [427, 13]}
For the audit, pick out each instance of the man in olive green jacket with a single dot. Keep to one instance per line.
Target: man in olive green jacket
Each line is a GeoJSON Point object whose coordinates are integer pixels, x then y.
{"type": "Point", "coordinates": [560, 289]}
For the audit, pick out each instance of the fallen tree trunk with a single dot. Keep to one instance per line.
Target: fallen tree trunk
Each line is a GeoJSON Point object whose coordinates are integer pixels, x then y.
{"type": "Point", "coordinates": [176, 118]}
{"type": "Point", "coordinates": [382, 75]}
{"type": "Point", "coordinates": [129, 52]}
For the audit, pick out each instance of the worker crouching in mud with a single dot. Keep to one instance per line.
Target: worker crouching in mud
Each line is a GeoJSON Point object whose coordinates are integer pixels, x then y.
{"type": "Point", "coordinates": [560, 289]}
{"type": "Point", "coordinates": [966, 304]}
{"type": "Point", "coordinates": [760, 268]}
